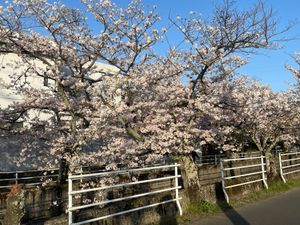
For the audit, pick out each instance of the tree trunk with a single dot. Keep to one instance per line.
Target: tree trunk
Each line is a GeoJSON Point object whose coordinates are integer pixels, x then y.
{"type": "Point", "coordinates": [15, 209]}
{"type": "Point", "coordinates": [189, 172]}
{"type": "Point", "coordinates": [270, 165]}
{"type": "Point", "coordinates": [268, 168]}
{"type": "Point", "coordinates": [63, 172]}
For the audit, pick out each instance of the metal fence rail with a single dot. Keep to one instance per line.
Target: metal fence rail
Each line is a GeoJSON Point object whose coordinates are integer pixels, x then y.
{"type": "Point", "coordinates": [37, 177]}
{"type": "Point", "coordinates": [289, 163]}
{"type": "Point", "coordinates": [72, 192]}
{"type": "Point", "coordinates": [216, 158]}
{"type": "Point", "coordinates": [28, 177]}
{"type": "Point", "coordinates": [259, 170]}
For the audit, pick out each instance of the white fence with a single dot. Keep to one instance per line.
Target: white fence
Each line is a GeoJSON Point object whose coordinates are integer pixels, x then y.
{"type": "Point", "coordinates": [289, 163]}
{"type": "Point", "coordinates": [258, 167]}
{"type": "Point", "coordinates": [72, 192]}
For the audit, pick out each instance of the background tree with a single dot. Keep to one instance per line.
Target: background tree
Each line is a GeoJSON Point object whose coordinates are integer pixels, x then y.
{"type": "Point", "coordinates": [265, 118]}
{"type": "Point", "coordinates": [296, 88]}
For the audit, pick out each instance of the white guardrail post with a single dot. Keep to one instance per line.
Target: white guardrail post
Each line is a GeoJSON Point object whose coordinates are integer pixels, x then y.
{"type": "Point", "coordinates": [177, 190]}
{"type": "Point", "coordinates": [280, 168]}
{"type": "Point", "coordinates": [263, 171]}
{"type": "Point", "coordinates": [223, 181]}
{"type": "Point", "coordinates": [70, 199]}
{"type": "Point", "coordinates": [81, 172]}
{"type": "Point", "coordinates": [17, 177]}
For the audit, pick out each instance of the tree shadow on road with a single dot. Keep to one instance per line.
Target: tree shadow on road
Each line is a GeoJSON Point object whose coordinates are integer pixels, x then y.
{"type": "Point", "coordinates": [228, 210]}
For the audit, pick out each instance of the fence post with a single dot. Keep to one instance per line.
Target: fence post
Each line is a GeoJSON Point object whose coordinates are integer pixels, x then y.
{"type": "Point", "coordinates": [70, 203]}
{"type": "Point", "coordinates": [17, 177]}
{"type": "Point", "coordinates": [177, 191]}
{"type": "Point", "coordinates": [280, 168]}
{"type": "Point", "coordinates": [223, 181]}
{"type": "Point", "coordinates": [263, 172]}
{"type": "Point", "coordinates": [81, 172]}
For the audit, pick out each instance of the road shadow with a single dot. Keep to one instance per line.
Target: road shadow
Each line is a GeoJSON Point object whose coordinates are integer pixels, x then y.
{"type": "Point", "coordinates": [228, 210]}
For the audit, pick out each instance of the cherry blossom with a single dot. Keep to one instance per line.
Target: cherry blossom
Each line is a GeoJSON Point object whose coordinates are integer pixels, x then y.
{"type": "Point", "coordinates": [113, 102]}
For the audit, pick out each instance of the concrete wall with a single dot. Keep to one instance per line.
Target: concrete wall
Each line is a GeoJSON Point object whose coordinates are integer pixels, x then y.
{"type": "Point", "coordinates": [48, 205]}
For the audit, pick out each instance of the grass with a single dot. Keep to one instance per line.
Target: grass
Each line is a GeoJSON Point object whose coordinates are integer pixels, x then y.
{"type": "Point", "coordinates": [198, 210]}
{"type": "Point", "coordinates": [203, 208]}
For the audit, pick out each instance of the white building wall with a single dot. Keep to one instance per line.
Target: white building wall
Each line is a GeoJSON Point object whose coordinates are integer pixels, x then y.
{"type": "Point", "coordinates": [11, 64]}
{"type": "Point", "coordinates": [10, 146]}
{"type": "Point", "coordinates": [7, 68]}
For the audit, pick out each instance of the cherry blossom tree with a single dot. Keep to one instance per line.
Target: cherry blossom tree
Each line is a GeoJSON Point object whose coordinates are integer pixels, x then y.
{"type": "Point", "coordinates": [252, 114]}
{"type": "Point", "coordinates": [140, 110]}
{"type": "Point", "coordinates": [58, 39]}
{"type": "Point", "coordinates": [295, 71]}
{"type": "Point", "coordinates": [211, 52]}
{"type": "Point", "coordinates": [215, 48]}
{"type": "Point", "coordinates": [296, 89]}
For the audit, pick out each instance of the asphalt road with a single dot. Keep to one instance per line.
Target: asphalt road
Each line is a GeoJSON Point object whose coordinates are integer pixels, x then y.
{"type": "Point", "coordinates": [283, 209]}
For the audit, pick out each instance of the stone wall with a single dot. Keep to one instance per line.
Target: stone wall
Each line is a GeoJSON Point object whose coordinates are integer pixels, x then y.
{"type": "Point", "coordinates": [50, 202]}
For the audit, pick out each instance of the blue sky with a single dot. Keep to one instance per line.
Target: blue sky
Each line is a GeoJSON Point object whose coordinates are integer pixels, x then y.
{"type": "Point", "coordinates": [268, 65]}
